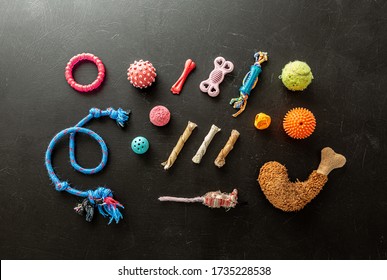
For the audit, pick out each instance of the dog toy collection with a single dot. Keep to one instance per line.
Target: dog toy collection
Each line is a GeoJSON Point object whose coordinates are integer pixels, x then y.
{"type": "Point", "coordinates": [298, 123]}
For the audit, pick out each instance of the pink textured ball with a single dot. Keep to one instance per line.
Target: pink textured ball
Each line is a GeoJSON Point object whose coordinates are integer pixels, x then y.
{"type": "Point", "coordinates": [141, 74]}
{"type": "Point", "coordinates": [159, 115]}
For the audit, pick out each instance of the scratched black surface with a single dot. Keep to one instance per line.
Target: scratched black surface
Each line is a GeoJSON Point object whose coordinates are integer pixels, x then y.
{"type": "Point", "coordinates": [343, 42]}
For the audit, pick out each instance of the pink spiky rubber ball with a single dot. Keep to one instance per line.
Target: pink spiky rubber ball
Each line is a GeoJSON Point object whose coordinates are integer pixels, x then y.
{"type": "Point", "coordinates": [159, 115]}
{"type": "Point", "coordinates": [141, 74]}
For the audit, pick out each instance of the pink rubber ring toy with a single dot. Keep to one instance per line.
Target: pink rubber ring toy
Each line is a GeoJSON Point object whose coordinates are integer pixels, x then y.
{"type": "Point", "coordinates": [69, 72]}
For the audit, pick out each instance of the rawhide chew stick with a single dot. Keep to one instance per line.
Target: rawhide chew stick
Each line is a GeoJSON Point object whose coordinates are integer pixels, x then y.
{"type": "Point", "coordinates": [221, 158]}
{"type": "Point", "coordinates": [214, 199]}
{"type": "Point", "coordinates": [179, 145]}
{"type": "Point", "coordinates": [188, 67]}
{"type": "Point", "coordinates": [206, 142]}
{"type": "Point", "coordinates": [293, 196]}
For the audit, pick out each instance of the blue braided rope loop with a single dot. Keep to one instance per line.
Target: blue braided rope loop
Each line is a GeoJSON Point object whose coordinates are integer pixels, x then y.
{"type": "Point", "coordinates": [101, 197]}
{"type": "Point", "coordinates": [120, 116]}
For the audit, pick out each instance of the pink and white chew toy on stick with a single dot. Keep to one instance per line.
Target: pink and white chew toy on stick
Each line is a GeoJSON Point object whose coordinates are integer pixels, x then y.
{"type": "Point", "coordinates": [215, 199]}
{"type": "Point", "coordinates": [211, 85]}
{"type": "Point", "coordinates": [188, 67]}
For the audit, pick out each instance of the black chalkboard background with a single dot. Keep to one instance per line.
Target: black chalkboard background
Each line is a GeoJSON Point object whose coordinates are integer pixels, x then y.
{"type": "Point", "coordinates": [343, 42]}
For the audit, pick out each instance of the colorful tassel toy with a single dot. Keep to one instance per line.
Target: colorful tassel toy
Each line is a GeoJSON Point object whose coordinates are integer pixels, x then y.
{"type": "Point", "coordinates": [102, 198]}
{"type": "Point", "coordinates": [249, 82]}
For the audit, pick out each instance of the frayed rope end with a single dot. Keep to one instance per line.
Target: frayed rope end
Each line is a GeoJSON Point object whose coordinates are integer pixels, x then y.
{"type": "Point", "coordinates": [109, 208]}
{"type": "Point", "coordinates": [239, 103]}
{"type": "Point", "coordinates": [119, 115]}
{"type": "Point", "coordinates": [102, 198]}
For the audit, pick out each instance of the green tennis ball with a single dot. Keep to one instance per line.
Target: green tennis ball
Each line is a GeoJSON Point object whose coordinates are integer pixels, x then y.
{"type": "Point", "coordinates": [296, 75]}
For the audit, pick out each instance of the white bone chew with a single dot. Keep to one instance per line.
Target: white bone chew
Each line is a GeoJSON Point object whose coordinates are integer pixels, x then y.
{"type": "Point", "coordinates": [206, 142]}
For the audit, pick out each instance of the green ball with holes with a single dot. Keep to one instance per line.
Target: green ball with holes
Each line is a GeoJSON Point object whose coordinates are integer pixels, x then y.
{"type": "Point", "coordinates": [140, 145]}
{"type": "Point", "coordinates": [296, 75]}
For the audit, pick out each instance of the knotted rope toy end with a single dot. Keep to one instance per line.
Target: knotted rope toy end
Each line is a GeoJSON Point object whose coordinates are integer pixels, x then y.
{"type": "Point", "coordinates": [102, 198]}
{"type": "Point", "coordinates": [120, 116]}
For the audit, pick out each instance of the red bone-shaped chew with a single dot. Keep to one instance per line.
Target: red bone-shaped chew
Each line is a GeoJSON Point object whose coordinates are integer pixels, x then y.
{"type": "Point", "coordinates": [211, 85]}
{"type": "Point", "coordinates": [188, 67]}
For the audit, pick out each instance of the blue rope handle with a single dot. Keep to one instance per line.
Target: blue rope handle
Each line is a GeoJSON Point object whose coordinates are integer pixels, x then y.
{"type": "Point", "coordinates": [102, 198]}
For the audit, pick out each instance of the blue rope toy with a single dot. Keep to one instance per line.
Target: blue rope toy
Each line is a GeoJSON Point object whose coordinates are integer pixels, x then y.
{"type": "Point", "coordinates": [249, 82]}
{"type": "Point", "coordinates": [102, 198]}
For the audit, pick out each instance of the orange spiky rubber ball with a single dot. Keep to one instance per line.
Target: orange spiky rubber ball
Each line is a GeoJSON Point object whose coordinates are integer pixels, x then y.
{"type": "Point", "coordinates": [299, 123]}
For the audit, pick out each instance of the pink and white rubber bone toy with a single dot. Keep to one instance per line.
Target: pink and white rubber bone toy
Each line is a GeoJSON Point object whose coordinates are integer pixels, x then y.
{"type": "Point", "coordinates": [211, 85]}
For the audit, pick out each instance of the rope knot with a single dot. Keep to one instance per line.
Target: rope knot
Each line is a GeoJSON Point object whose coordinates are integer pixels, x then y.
{"type": "Point", "coordinates": [95, 112]}
{"type": "Point", "coordinates": [97, 196]}
{"type": "Point", "coordinates": [120, 116]}
{"type": "Point", "coordinates": [113, 114]}
{"type": "Point", "coordinates": [61, 186]}
{"type": "Point", "coordinates": [107, 206]}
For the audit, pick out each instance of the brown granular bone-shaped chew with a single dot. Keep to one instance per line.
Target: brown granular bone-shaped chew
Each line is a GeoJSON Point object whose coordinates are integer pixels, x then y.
{"type": "Point", "coordinates": [293, 196]}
